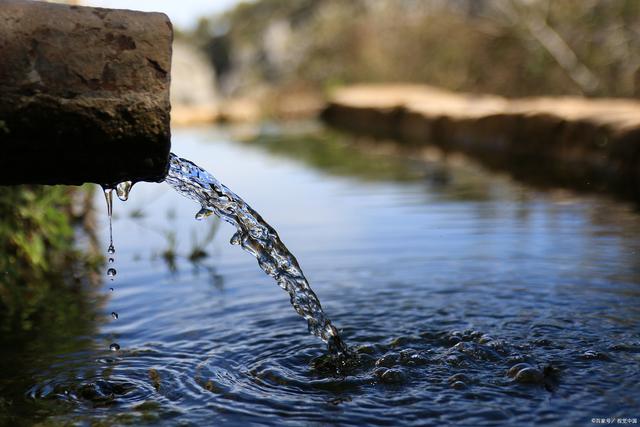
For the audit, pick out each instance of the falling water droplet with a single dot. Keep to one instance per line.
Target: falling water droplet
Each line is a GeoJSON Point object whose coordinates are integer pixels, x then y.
{"type": "Point", "coordinates": [203, 213]}
{"type": "Point", "coordinates": [114, 315]}
{"type": "Point", "coordinates": [123, 189]}
{"type": "Point", "coordinates": [114, 346]}
{"type": "Point", "coordinates": [111, 260]}
{"type": "Point", "coordinates": [110, 289]}
{"type": "Point", "coordinates": [108, 195]}
{"type": "Point", "coordinates": [111, 250]}
{"type": "Point", "coordinates": [236, 238]}
{"type": "Point", "coordinates": [111, 272]}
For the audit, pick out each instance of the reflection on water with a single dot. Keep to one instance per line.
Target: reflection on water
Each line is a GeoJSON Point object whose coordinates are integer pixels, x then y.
{"type": "Point", "coordinates": [48, 303]}
{"type": "Point", "coordinates": [467, 298]}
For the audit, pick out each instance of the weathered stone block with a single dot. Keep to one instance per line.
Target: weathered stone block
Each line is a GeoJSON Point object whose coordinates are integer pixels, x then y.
{"type": "Point", "coordinates": [84, 94]}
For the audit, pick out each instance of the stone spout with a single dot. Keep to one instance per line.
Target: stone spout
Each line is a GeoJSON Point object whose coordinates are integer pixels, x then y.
{"type": "Point", "coordinates": [84, 94]}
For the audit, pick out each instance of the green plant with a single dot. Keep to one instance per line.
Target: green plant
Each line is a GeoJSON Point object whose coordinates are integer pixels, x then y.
{"type": "Point", "coordinates": [37, 252]}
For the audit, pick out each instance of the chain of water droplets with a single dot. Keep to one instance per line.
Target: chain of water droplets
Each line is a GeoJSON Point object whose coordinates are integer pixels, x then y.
{"type": "Point", "coordinates": [259, 239]}
{"type": "Point", "coordinates": [122, 190]}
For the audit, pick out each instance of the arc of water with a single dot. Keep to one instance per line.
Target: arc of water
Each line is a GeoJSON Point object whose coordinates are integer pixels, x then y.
{"type": "Point", "coordinates": [258, 238]}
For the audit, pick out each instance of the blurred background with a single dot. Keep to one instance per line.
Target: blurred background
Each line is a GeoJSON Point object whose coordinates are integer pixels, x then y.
{"type": "Point", "coordinates": [280, 57]}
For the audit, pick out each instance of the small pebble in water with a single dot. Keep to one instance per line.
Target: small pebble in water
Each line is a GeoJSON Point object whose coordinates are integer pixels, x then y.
{"type": "Point", "coordinates": [114, 347]}
{"type": "Point", "coordinates": [114, 315]}
{"type": "Point", "coordinates": [111, 272]}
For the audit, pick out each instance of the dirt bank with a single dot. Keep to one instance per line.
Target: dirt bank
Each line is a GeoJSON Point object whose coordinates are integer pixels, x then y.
{"type": "Point", "coordinates": [567, 141]}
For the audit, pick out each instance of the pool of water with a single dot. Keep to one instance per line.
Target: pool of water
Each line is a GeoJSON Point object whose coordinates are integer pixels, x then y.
{"type": "Point", "coordinates": [466, 298]}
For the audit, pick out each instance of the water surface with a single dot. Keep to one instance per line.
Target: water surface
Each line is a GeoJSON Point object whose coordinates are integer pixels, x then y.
{"type": "Point", "coordinates": [441, 276]}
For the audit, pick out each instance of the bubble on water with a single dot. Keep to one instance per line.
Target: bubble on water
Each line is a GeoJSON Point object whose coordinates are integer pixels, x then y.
{"type": "Point", "coordinates": [111, 272]}
{"type": "Point", "coordinates": [123, 189]}
{"type": "Point", "coordinates": [513, 371]}
{"type": "Point", "coordinates": [388, 360]}
{"type": "Point", "coordinates": [458, 378]}
{"type": "Point", "coordinates": [390, 376]}
{"type": "Point", "coordinates": [111, 250]}
{"type": "Point", "coordinates": [594, 355]}
{"type": "Point", "coordinates": [485, 339]}
{"type": "Point", "coordinates": [114, 315]}
{"type": "Point", "coordinates": [529, 375]}
{"type": "Point", "coordinates": [526, 374]}
{"type": "Point", "coordinates": [114, 346]}
{"type": "Point", "coordinates": [411, 357]}
{"type": "Point", "coordinates": [365, 349]}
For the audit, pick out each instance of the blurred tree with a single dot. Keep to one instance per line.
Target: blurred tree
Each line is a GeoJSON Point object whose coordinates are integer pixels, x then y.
{"type": "Point", "coordinates": [508, 47]}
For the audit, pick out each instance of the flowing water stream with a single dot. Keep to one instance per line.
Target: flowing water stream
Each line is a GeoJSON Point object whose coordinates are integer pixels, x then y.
{"type": "Point", "coordinates": [259, 239]}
